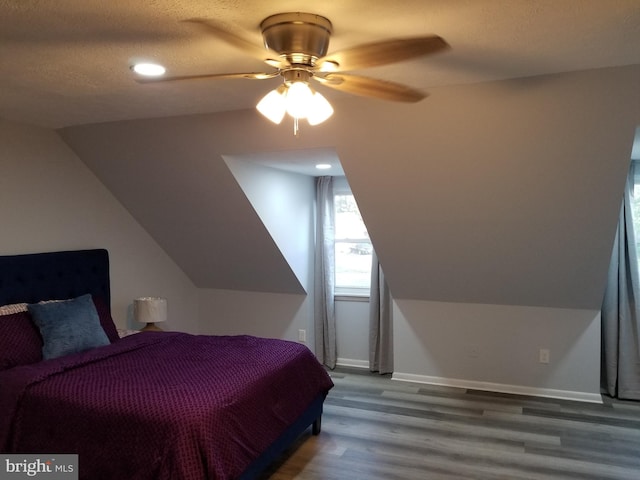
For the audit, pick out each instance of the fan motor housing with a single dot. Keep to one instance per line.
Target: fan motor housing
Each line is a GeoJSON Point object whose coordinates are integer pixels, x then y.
{"type": "Point", "coordinates": [302, 38]}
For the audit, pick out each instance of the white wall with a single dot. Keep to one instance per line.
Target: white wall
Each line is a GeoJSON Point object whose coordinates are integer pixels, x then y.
{"type": "Point", "coordinates": [49, 200]}
{"type": "Point", "coordinates": [496, 347]}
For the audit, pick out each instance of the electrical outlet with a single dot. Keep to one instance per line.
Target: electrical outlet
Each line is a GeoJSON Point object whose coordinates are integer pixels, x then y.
{"type": "Point", "coordinates": [302, 335]}
{"type": "Point", "coordinates": [545, 355]}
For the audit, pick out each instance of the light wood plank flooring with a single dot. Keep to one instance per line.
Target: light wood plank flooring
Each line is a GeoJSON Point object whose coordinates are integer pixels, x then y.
{"type": "Point", "coordinates": [377, 428]}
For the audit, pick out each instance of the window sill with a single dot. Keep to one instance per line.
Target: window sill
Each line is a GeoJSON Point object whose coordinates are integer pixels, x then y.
{"type": "Point", "coordinates": [350, 297]}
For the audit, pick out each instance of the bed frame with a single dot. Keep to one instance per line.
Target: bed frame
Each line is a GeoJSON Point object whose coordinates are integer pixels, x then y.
{"type": "Point", "coordinates": [61, 275]}
{"type": "Point", "coordinates": [54, 276]}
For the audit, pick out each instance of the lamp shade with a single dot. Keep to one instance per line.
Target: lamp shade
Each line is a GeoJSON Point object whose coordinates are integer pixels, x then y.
{"type": "Point", "coordinates": [150, 310]}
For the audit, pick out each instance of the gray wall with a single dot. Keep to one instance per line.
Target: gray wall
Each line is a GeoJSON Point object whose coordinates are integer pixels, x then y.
{"type": "Point", "coordinates": [352, 333]}
{"type": "Point", "coordinates": [497, 347]}
{"type": "Point", "coordinates": [50, 200]}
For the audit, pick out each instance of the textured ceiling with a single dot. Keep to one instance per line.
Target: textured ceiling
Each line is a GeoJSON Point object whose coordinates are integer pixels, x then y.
{"type": "Point", "coordinates": [67, 63]}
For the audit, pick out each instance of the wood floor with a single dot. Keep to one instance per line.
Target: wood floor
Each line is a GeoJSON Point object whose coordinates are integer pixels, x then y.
{"type": "Point", "coordinates": [377, 428]}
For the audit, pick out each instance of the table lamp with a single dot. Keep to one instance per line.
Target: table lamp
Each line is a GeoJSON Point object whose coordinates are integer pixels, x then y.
{"type": "Point", "coordinates": [150, 310]}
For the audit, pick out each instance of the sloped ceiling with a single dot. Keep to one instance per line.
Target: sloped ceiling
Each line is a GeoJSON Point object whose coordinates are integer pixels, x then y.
{"type": "Point", "coordinates": [503, 193]}
{"type": "Point", "coordinates": [285, 203]}
{"type": "Point", "coordinates": [172, 178]}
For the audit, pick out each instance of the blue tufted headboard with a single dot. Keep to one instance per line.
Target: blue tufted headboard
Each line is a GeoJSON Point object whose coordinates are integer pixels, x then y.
{"type": "Point", "coordinates": [34, 277]}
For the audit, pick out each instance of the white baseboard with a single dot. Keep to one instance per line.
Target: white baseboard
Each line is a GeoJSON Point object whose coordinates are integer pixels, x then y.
{"type": "Point", "coordinates": [350, 362]}
{"type": "Point", "coordinates": [499, 387]}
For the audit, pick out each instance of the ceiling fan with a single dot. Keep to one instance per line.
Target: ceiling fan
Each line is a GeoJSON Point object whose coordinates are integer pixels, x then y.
{"type": "Point", "coordinates": [296, 46]}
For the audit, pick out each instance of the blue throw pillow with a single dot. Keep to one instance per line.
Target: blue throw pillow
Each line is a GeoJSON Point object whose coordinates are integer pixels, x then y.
{"type": "Point", "coordinates": [68, 326]}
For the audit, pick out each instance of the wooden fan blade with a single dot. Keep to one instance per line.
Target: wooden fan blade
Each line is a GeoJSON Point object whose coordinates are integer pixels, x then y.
{"type": "Point", "coordinates": [370, 87]}
{"type": "Point", "coordinates": [257, 51]}
{"type": "Point", "coordinates": [381, 53]}
{"type": "Point", "coordinates": [253, 76]}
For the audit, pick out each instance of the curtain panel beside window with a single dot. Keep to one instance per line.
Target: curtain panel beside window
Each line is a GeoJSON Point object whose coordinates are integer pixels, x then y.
{"type": "Point", "coordinates": [380, 321]}
{"type": "Point", "coordinates": [620, 309]}
{"type": "Point", "coordinates": [324, 307]}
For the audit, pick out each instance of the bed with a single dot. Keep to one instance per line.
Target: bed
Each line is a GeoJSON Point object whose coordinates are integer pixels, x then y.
{"type": "Point", "coordinates": [155, 405]}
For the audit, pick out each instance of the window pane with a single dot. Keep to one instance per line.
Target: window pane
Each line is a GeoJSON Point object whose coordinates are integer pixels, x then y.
{"type": "Point", "coordinates": [353, 265]}
{"type": "Point", "coordinates": [352, 247]}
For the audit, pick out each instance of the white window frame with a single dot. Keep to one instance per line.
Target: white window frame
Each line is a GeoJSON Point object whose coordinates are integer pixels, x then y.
{"type": "Point", "coordinates": [341, 187]}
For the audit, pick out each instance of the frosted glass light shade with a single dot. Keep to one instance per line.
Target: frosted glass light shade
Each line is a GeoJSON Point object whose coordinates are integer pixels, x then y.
{"type": "Point", "coordinates": [299, 99]}
{"type": "Point", "coordinates": [273, 105]}
{"type": "Point", "coordinates": [319, 109]}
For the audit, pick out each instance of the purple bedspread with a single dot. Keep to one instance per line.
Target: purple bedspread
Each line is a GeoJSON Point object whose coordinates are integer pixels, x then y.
{"type": "Point", "coordinates": [161, 405]}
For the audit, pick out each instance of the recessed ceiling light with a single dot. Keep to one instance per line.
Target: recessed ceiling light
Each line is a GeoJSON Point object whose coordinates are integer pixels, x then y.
{"type": "Point", "coordinates": [323, 166]}
{"type": "Point", "coordinates": [149, 69]}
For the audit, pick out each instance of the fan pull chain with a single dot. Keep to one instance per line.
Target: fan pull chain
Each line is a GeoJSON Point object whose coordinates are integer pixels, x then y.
{"type": "Point", "coordinates": [296, 128]}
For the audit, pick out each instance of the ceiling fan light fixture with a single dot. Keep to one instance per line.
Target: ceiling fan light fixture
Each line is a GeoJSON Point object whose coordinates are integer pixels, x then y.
{"type": "Point", "coordinates": [297, 45]}
{"type": "Point", "coordinates": [298, 100]}
{"type": "Point", "coordinates": [273, 105]}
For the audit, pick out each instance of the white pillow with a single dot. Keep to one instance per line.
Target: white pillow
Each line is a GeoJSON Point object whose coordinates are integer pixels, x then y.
{"type": "Point", "coordinates": [13, 308]}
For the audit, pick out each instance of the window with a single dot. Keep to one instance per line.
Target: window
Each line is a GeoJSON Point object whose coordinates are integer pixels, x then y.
{"type": "Point", "coordinates": [352, 244]}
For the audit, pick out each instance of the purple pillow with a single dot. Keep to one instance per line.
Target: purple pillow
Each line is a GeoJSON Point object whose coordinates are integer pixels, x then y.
{"type": "Point", "coordinates": [105, 319]}
{"type": "Point", "coordinates": [20, 341]}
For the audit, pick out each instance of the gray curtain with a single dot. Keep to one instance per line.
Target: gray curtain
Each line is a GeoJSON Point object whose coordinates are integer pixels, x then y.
{"type": "Point", "coordinates": [380, 322]}
{"type": "Point", "coordinates": [620, 312]}
{"type": "Point", "coordinates": [324, 314]}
